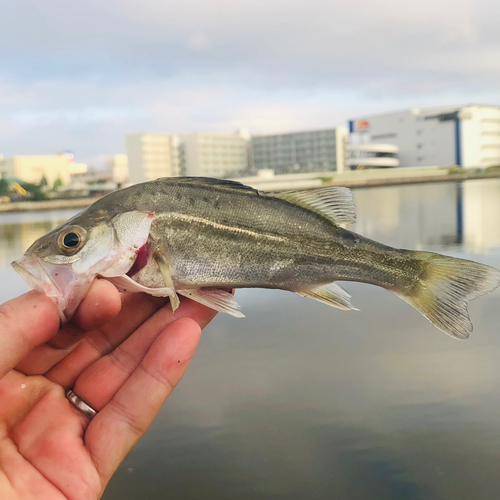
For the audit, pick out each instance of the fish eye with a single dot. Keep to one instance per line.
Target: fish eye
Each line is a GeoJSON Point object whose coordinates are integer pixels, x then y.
{"type": "Point", "coordinates": [71, 240]}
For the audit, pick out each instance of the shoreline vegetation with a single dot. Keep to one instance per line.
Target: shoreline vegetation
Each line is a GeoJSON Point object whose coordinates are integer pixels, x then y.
{"type": "Point", "coordinates": [353, 179]}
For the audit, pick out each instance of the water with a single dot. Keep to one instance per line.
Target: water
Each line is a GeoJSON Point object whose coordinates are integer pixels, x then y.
{"type": "Point", "coordinates": [302, 401]}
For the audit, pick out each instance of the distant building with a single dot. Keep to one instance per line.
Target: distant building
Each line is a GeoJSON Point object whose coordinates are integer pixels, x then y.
{"type": "Point", "coordinates": [77, 168]}
{"type": "Point", "coordinates": [164, 155]}
{"type": "Point", "coordinates": [468, 136]}
{"type": "Point", "coordinates": [34, 168]}
{"type": "Point", "coordinates": [151, 156]}
{"type": "Point", "coordinates": [213, 155]}
{"type": "Point", "coordinates": [117, 166]}
{"type": "Point", "coordinates": [366, 155]}
{"type": "Point", "coordinates": [316, 150]}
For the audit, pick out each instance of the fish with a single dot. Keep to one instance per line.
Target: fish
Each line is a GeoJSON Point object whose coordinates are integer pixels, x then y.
{"type": "Point", "coordinates": [197, 237]}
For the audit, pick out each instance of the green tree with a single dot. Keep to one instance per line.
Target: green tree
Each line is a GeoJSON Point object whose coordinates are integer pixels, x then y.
{"type": "Point", "coordinates": [4, 187]}
{"type": "Point", "coordinates": [44, 182]}
{"type": "Point", "coordinates": [35, 191]}
{"type": "Point", "coordinates": [58, 183]}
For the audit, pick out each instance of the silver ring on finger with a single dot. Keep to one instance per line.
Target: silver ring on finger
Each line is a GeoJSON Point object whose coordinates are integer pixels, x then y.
{"type": "Point", "coordinates": [80, 404]}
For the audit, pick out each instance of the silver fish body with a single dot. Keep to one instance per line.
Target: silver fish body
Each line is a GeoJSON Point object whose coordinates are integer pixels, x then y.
{"type": "Point", "coordinates": [206, 234]}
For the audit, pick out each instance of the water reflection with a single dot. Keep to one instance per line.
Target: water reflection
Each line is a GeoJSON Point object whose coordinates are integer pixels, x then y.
{"type": "Point", "coordinates": [301, 401]}
{"type": "Point", "coordinates": [457, 216]}
{"type": "Point", "coordinates": [481, 215]}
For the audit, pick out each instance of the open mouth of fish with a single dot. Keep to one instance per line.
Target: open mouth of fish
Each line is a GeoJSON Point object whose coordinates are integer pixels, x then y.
{"type": "Point", "coordinates": [56, 281]}
{"type": "Point", "coordinates": [35, 274]}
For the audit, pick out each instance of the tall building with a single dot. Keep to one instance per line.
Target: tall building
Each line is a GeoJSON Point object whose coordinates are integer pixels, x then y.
{"type": "Point", "coordinates": [316, 150]}
{"type": "Point", "coordinates": [468, 136]}
{"type": "Point", "coordinates": [34, 168]}
{"type": "Point", "coordinates": [213, 155]}
{"type": "Point", "coordinates": [151, 156]}
{"type": "Point", "coordinates": [117, 166]}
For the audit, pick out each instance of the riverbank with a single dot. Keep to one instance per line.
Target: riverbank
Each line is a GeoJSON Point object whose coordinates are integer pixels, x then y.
{"type": "Point", "coordinates": [36, 206]}
{"type": "Point", "coordinates": [353, 180]}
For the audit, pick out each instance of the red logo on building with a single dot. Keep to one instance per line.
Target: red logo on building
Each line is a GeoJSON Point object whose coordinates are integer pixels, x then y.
{"type": "Point", "coordinates": [363, 125]}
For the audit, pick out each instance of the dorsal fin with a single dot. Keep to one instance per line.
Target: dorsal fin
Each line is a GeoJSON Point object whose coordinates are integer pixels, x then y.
{"type": "Point", "coordinates": [208, 181]}
{"type": "Point", "coordinates": [334, 203]}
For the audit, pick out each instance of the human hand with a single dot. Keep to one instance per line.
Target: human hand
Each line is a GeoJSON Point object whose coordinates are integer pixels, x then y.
{"type": "Point", "coordinates": [124, 369]}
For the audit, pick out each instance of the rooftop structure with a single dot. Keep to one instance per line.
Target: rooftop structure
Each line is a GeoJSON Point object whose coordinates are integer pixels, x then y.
{"type": "Point", "coordinates": [372, 156]}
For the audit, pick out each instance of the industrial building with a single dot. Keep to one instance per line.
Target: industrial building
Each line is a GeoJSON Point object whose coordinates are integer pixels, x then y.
{"type": "Point", "coordinates": [151, 156]}
{"type": "Point", "coordinates": [213, 155]}
{"type": "Point", "coordinates": [34, 168]}
{"type": "Point", "coordinates": [467, 136]}
{"type": "Point", "coordinates": [312, 151]}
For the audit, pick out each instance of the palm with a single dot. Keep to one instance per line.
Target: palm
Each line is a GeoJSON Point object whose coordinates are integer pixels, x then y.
{"type": "Point", "coordinates": [125, 370]}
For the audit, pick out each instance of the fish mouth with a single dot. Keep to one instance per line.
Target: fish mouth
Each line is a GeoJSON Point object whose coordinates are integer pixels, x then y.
{"type": "Point", "coordinates": [33, 272]}
{"type": "Point", "coordinates": [57, 281]}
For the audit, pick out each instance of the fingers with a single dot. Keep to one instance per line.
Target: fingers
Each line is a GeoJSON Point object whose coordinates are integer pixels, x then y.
{"type": "Point", "coordinates": [120, 424]}
{"type": "Point", "coordinates": [25, 322]}
{"type": "Point", "coordinates": [102, 303]}
{"type": "Point", "coordinates": [136, 309]}
{"type": "Point", "coordinates": [100, 382]}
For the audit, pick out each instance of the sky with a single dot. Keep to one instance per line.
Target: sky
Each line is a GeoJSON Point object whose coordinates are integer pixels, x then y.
{"type": "Point", "coordinates": [81, 75]}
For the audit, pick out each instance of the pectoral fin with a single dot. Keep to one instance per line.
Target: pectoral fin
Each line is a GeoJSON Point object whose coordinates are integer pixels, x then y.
{"type": "Point", "coordinates": [127, 284]}
{"type": "Point", "coordinates": [331, 294]}
{"type": "Point", "coordinates": [216, 299]}
{"type": "Point", "coordinates": [161, 258]}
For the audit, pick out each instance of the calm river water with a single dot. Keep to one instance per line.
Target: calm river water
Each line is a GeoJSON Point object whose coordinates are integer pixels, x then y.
{"type": "Point", "coordinates": [302, 401]}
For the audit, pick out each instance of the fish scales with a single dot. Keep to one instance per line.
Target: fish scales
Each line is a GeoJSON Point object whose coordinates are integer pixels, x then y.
{"type": "Point", "coordinates": [194, 235]}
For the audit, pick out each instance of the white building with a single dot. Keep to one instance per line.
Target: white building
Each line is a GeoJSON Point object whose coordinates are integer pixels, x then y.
{"type": "Point", "coordinates": [369, 155]}
{"type": "Point", "coordinates": [311, 151]}
{"type": "Point", "coordinates": [34, 168]}
{"type": "Point", "coordinates": [117, 166]}
{"type": "Point", "coordinates": [467, 136]}
{"type": "Point", "coordinates": [151, 156]}
{"type": "Point", "coordinates": [213, 155]}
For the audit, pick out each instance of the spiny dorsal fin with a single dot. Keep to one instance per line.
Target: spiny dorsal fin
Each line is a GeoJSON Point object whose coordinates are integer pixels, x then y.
{"type": "Point", "coordinates": [208, 181]}
{"type": "Point", "coordinates": [334, 203]}
{"type": "Point", "coordinates": [332, 294]}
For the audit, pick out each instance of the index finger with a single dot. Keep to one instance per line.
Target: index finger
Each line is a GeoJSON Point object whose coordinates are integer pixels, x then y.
{"type": "Point", "coordinates": [101, 304]}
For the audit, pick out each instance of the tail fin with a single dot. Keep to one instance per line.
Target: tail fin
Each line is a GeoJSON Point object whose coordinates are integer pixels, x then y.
{"type": "Point", "coordinates": [446, 286]}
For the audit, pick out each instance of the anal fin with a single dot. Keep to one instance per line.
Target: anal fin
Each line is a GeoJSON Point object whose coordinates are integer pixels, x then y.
{"type": "Point", "coordinates": [331, 294]}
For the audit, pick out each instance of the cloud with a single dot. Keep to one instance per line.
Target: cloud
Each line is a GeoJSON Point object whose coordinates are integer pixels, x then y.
{"type": "Point", "coordinates": [93, 70]}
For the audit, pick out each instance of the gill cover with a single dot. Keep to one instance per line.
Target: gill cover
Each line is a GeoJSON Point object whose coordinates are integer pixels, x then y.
{"type": "Point", "coordinates": [65, 273]}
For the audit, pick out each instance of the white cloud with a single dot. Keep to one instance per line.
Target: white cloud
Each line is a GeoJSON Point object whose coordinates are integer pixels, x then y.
{"type": "Point", "coordinates": [82, 77]}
